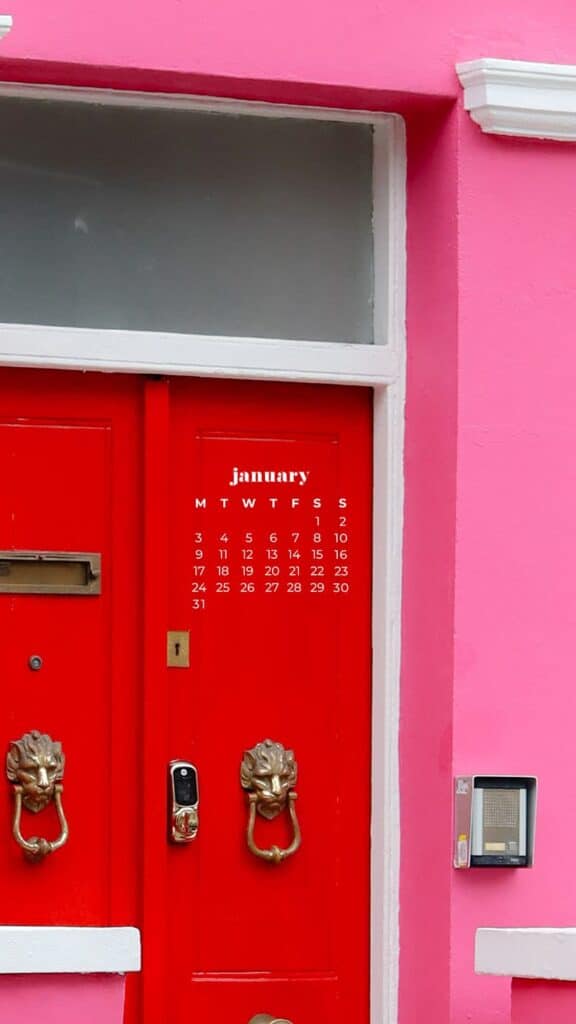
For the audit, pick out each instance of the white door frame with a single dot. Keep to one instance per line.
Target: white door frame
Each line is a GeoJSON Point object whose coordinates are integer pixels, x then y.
{"type": "Point", "coordinates": [380, 366]}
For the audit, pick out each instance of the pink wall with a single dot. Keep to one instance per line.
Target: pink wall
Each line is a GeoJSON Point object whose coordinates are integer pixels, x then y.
{"type": "Point", "coordinates": [368, 44]}
{"type": "Point", "coordinates": [540, 1002]}
{"type": "Point", "coordinates": [426, 712]}
{"type": "Point", "coordinates": [515, 700]}
{"type": "Point", "coordinates": [62, 998]}
{"type": "Point", "coordinates": [490, 567]}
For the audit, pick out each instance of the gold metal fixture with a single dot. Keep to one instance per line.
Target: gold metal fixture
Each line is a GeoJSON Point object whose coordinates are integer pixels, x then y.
{"type": "Point", "coordinates": [182, 801]}
{"type": "Point", "coordinates": [50, 572]}
{"type": "Point", "coordinates": [35, 765]}
{"type": "Point", "coordinates": [267, 1018]}
{"type": "Point", "coordinates": [268, 773]}
{"type": "Point", "coordinates": [178, 648]}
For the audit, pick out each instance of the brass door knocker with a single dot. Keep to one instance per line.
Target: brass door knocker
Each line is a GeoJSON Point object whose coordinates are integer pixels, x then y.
{"type": "Point", "coordinates": [35, 765]}
{"type": "Point", "coordinates": [268, 773]}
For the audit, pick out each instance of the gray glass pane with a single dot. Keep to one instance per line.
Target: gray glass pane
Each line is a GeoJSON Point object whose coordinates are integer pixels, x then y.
{"type": "Point", "coordinates": [179, 221]}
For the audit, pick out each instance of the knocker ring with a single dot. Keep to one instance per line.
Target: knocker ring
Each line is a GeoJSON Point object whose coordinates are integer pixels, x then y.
{"type": "Point", "coordinates": [269, 772]}
{"type": "Point", "coordinates": [35, 764]}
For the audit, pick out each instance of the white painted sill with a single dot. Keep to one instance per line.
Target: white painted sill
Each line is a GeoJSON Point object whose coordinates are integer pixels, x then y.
{"type": "Point", "coordinates": [31, 950]}
{"type": "Point", "coordinates": [547, 953]}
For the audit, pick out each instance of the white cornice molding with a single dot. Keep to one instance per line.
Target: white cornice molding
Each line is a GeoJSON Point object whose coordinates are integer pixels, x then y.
{"type": "Point", "coordinates": [5, 24]}
{"type": "Point", "coordinates": [523, 98]}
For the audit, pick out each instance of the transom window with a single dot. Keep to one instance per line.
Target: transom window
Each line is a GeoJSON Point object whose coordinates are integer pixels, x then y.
{"type": "Point", "coordinates": [184, 221]}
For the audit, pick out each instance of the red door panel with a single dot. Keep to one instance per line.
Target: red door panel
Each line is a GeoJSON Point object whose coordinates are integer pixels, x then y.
{"type": "Point", "coordinates": [66, 445]}
{"type": "Point", "coordinates": [299, 997]}
{"type": "Point", "coordinates": [272, 579]}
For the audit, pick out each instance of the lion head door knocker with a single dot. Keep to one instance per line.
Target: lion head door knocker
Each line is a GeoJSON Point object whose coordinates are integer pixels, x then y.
{"type": "Point", "coordinates": [269, 773]}
{"type": "Point", "coordinates": [35, 766]}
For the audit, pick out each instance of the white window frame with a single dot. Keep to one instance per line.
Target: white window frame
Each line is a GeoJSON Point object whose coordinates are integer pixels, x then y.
{"type": "Point", "coordinates": [380, 366]}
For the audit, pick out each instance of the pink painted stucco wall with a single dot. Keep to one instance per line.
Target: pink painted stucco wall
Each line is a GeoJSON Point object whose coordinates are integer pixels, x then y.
{"type": "Point", "coordinates": [370, 44]}
{"type": "Point", "coordinates": [490, 542]}
{"type": "Point", "coordinates": [515, 599]}
{"type": "Point", "coordinates": [62, 998]}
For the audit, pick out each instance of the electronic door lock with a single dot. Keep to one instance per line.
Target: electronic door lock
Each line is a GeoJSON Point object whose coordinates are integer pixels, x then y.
{"type": "Point", "coordinates": [182, 802]}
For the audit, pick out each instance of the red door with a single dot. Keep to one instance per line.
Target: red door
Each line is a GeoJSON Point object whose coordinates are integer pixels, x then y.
{"type": "Point", "coordinates": [238, 515]}
{"type": "Point", "coordinates": [70, 482]}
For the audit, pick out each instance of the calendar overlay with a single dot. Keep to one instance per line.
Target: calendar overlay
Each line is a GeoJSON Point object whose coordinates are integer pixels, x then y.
{"type": "Point", "coordinates": [272, 527]}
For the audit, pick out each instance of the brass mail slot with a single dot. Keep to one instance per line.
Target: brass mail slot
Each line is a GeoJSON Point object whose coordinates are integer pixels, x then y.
{"type": "Point", "coordinates": [49, 572]}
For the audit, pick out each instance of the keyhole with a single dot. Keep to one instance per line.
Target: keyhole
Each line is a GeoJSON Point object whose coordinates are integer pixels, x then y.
{"type": "Point", "coordinates": [177, 648]}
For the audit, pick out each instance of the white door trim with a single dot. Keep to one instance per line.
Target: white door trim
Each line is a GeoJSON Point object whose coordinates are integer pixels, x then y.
{"type": "Point", "coordinates": [381, 366]}
{"type": "Point", "coordinates": [193, 355]}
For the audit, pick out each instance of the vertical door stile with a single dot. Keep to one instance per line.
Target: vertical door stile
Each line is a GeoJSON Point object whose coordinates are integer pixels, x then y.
{"type": "Point", "coordinates": [155, 709]}
{"type": "Point", "coordinates": [122, 586]}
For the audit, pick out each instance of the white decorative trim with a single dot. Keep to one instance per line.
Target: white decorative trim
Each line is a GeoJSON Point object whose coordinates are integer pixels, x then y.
{"type": "Point", "coordinates": [69, 950]}
{"type": "Point", "coordinates": [517, 97]}
{"type": "Point", "coordinates": [5, 24]}
{"type": "Point", "coordinates": [78, 348]}
{"type": "Point", "coordinates": [527, 952]}
{"type": "Point", "coordinates": [390, 178]}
